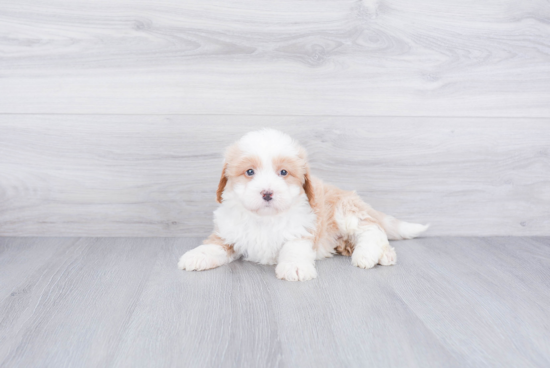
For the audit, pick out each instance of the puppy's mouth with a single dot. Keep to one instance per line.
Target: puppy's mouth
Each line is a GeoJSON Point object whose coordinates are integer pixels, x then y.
{"type": "Point", "coordinates": [267, 208]}
{"type": "Point", "coordinates": [266, 211]}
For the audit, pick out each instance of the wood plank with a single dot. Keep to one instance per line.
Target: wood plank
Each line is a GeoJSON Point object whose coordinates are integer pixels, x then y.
{"type": "Point", "coordinates": [484, 299]}
{"type": "Point", "coordinates": [14, 252]}
{"type": "Point", "coordinates": [369, 57]}
{"type": "Point", "coordinates": [70, 311]}
{"type": "Point", "coordinates": [349, 318]}
{"type": "Point", "coordinates": [248, 318]}
{"type": "Point", "coordinates": [223, 317]}
{"type": "Point", "coordinates": [450, 302]}
{"type": "Point", "coordinates": [156, 175]}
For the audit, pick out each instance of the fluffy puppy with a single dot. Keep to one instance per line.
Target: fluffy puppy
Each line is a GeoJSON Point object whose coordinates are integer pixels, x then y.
{"type": "Point", "coordinates": [273, 211]}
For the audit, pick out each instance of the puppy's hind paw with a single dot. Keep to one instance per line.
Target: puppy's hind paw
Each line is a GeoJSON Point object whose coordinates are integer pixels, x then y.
{"type": "Point", "coordinates": [302, 271]}
{"type": "Point", "coordinates": [389, 257]}
{"type": "Point", "coordinates": [364, 259]}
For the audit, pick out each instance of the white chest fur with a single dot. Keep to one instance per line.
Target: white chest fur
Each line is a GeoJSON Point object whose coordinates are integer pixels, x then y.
{"type": "Point", "coordinates": [260, 238]}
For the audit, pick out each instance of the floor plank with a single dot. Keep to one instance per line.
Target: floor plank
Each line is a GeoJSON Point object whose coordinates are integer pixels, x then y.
{"type": "Point", "coordinates": [210, 319]}
{"type": "Point", "coordinates": [70, 311]}
{"type": "Point", "coordinates": [473, 296]}
{"type": "Point", "coordinates": [21, 257]}
{"type": "Point", "coordinates": [106, 302]}
{"type": "Point", "coordinates": [310, 57]}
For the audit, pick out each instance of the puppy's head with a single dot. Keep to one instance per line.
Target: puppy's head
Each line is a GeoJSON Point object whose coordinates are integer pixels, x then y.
{"type": "Point", "coordinates": [266, 171]}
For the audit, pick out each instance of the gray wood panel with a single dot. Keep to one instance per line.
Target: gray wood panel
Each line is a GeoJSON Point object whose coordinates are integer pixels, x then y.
{"type": "Point", "coordinates": [121, 175]}
{"type": "Point", "coordinates": [450, 302]}
{"type": "Point", "coordinates": [310, 57]}
{"type": "Point", "coordinates": [72, 305]}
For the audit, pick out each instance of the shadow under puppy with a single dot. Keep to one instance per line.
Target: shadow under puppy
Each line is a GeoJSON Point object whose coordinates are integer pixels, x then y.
{"type": "Point", "coordinates": [273, 211]}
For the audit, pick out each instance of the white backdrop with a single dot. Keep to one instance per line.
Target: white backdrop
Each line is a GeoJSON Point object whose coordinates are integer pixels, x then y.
{"type": "Point", "coordinates": [114, 114]}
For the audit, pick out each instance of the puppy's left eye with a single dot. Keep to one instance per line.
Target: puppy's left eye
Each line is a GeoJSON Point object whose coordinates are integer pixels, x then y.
{"type": "Point", "coordinates": [284, 173]}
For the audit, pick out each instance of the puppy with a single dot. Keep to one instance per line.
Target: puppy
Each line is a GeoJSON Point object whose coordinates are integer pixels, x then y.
{"type": "Point", "coordinates": [273, 211]}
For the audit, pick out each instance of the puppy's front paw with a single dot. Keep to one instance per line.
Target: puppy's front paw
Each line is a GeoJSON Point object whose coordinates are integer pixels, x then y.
{"type": "Point", "coordinates": [302, 271]}
{"type": "Point", "coordinates": [365, 258]}
{"type": "Point", "coordinates": [204, 257]}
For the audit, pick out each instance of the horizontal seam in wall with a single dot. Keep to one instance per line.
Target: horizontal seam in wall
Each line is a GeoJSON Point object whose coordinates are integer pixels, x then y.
{"type": "Point", "coordinates": [282, 115]}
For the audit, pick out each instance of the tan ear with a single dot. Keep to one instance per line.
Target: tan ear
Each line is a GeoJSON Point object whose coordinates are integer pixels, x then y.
{"type": "Point", "coordinates": [308, 188]}
{"type": "Point", "coordinates": [221, 185]}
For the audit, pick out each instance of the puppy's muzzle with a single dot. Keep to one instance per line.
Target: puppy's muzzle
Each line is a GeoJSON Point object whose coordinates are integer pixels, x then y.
{"type": "Point", "coordinates": [267, 195]}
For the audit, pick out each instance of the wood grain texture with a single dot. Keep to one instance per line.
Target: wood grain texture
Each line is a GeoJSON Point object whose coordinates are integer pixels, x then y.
{"type": "Point", "coordinates": [157, 175]}
{"type": "Point", "coordinates": [73, 304]}
{"type": "Point", "coordinates": [450, 302]}
{"type": "Point", "coordinates": [310, 57]}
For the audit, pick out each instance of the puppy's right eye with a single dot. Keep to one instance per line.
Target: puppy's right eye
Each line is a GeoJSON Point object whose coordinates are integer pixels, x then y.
{"type": "Point", "coordinates": [249, 172]}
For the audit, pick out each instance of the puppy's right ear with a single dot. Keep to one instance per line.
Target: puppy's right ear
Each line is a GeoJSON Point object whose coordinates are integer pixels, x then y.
{"type": "Point", "coordinates": [221, 185]}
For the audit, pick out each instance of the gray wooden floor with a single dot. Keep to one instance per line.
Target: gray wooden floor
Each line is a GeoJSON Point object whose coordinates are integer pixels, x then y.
{"type": "Point", "coordinates": [102, 302]}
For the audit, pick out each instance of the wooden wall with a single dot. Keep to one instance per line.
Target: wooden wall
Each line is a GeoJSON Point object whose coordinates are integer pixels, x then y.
{"type": "Point", "coordinates": [114, 113]}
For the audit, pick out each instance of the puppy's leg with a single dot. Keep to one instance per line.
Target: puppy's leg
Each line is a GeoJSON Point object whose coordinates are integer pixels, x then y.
{"type": "Point", "coordinates": [211, 254]}
{"type": "Point", "coordinates": [296, 261]}
{"type": "Point", "coordinates": [372, 247]}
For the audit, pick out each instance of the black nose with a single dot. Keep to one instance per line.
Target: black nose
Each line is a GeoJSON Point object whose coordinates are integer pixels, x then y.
{"type": "Point", "coordinates": [267, 196]}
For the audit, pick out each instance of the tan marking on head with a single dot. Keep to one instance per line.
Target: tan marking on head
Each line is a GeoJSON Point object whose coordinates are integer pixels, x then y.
{"type": "Point", "coordinates": [298, 172]}
{"type": "Point", "coordinates": [295, 166]}
{"type": "Point", "coordinates": [240, 165]}
{"type": "Point", "coordinates": [235, 167]}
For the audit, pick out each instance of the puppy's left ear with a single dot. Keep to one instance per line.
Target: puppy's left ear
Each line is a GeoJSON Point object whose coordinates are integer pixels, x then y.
{"type": "Point", "coordinates": [308, 185]}
{"type": "Point", "coordinates": [308, 188]}
{"type": "Point", "coordinates": [221, 185]}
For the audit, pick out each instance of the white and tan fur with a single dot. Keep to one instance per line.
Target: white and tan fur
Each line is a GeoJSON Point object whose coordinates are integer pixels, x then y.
{"type": "Point", "coordinates": [302, 220]}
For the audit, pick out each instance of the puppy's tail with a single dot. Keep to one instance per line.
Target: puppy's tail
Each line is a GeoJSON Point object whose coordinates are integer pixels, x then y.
{"type": "Point", "coordinates": [396, 229]}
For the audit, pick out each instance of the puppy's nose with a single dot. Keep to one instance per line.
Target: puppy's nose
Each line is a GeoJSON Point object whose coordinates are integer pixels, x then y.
{"type": "Point", "coordinates": [267, 195]}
